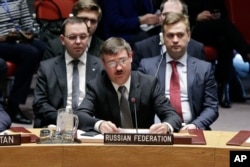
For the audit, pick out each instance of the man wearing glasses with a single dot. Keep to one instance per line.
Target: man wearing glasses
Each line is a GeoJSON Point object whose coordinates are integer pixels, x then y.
{"type": "Point", "coordinates": [120, 98]}
{"type": "Point", "coordinates": [61, 80]}
{"type": "Point", "coordinates": [91, 13]}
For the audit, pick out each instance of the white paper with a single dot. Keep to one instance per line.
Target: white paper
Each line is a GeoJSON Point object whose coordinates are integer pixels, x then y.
{"type": "Point", "coordinates": [97, 138]}
{"type": "Point", "coordinates": [140, 131]}
{"type": "Point", "coordinates": [248, 140]}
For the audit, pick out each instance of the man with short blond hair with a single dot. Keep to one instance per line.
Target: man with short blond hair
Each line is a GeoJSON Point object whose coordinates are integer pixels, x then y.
{"type": "Point", "coordinates": [197, 89]}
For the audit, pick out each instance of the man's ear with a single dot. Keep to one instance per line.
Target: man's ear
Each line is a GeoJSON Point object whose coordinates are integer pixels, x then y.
{"type": "Point", "coordinates": [130, 55]}
{"type": "Point", "coordinates": [62, 39]}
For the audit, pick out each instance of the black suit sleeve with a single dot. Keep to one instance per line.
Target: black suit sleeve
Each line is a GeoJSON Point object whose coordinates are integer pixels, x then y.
{"type": "Point", "coordinates": [86, 110]}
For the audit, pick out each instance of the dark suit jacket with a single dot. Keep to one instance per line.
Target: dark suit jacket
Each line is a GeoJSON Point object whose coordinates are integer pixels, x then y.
{"type": "Point", "coordinates": [197, 6]}
{"type": "Point", "coordinates": [150, 47]}
{"type": "Point", "coordinates": [51, 88]}
{"type": "Point", "coordinates": [55, 48]}
{"type": "Point", "coordinates": [101, 101]}
{"type": "Point", "coordinates": [121, 17]}
{"type": "Point", "coordinates": [201, 86]}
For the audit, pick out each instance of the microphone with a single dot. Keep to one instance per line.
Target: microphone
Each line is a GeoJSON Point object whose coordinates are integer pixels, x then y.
{"type": "Point", "coordinates": [136, 125]}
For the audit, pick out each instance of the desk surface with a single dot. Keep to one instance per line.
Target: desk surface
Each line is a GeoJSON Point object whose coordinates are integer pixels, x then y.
{"type": "Point", "coordinates": [215, 153]}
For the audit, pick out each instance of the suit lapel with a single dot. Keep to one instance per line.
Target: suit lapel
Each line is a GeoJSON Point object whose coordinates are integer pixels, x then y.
{"type": "Point", "coordinates": [135, 92]}
{"type": "Point", "coordinates": [113, 102]}
{"type": "Point", "coordinates": [91, 67]}
{"type": "Point", "coordinates": [191, 70]}
{"type": "Point", "coordinates": [61, 75]}
{"type": "Point", "coordinates": [161, 64]}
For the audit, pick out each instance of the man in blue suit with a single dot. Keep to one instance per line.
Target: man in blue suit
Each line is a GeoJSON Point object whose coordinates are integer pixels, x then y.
{"type": "Point", "coordinates": [154, 45]}
{"type": "Point", "coordinates": [198, 91]}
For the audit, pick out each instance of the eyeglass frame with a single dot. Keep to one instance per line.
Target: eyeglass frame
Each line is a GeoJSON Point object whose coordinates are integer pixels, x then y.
{"type": "Point", "coordinates": [121, 62]}
{"type": "Point", "coordinates": [75, 37]}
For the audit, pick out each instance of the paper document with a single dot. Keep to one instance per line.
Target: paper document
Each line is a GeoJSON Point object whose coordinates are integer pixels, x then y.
{"type": "Point", "coordinates": [140, 131]}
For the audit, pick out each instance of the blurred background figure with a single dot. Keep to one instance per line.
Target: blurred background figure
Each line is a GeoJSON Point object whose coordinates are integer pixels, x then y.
{"type": "Point", "coordinates": [211, 26]}
{"type": "Point", "coordinates": [91, 12]}
{"type": "Point", "coordinates": [26, 52]}
{"type": "Point", "coordinates": [5, 120]}
{"type": "Point", "coordinates": [133, 20]}
{"type": "Point", "coordinates": [242, 69]}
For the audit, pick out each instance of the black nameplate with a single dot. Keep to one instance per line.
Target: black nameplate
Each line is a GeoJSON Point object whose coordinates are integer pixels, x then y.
{"type": "Point", "coordinates": [9, 140]}
{"type": "Point", "coordinates": [145, 139]}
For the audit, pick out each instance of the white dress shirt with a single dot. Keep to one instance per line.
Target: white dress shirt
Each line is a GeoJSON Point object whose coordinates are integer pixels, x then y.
{"type": "Point", "coordinates": [182, 71]}
{"type": "Point", "coordinates": [82, 77]}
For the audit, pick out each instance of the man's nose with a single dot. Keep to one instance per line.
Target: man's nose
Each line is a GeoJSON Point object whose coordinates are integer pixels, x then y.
{"type": "Point", "coordinates": [78, 39]}
{"type": "Point", "coordinates": [175, 38]}
{"type": "Point", "coordinates": [118, 66]}
{"type": "Point", "coordinates": [88, 22]}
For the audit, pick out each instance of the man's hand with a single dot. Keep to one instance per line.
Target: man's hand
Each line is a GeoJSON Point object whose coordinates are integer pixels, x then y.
{"type": "Point", "coordinates": [151, 19]}
{"type": "Point", "coordinates": [205, 15]}
{"type": "Point", "coordinates": [189, 126]}
{"type": "Point", "coordinates": [160, 128]}
{"type": "Point", "coordinates": [107, 127]}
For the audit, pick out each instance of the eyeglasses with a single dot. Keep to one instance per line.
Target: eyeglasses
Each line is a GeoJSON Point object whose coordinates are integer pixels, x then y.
{"type": "Point", "coordinates": [86, 20]}
{"type": "Point", "coordinates": [121, 62]}
{"type": "Point", "coordinates": [74, 37]}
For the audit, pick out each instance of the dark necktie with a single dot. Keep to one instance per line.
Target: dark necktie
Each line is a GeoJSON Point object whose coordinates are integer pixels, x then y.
{"type": "Point", "coordinates": [175, 94]}
{"type": "Point", "coordinates": [126, 120]}
{"type": "Point", "coordinates": [75, 85]}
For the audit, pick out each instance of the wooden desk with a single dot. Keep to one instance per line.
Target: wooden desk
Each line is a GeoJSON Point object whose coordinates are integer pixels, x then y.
{"type": "Point", "coordinates": [215, 153]}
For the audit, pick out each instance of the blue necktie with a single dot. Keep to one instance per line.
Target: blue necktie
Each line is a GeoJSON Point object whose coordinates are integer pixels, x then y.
{"type": "Point", "coordinates": [75, 85]}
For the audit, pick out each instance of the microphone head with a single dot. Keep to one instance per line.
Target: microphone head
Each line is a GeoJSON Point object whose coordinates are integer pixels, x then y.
{"type": "Point", "coordinates": [133, 100]}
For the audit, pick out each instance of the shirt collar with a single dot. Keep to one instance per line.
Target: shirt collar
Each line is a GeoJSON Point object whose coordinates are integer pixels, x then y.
{"type": "Point", "coordinates": [82, 59]}
{"type": "Point", "coordinates": [182, 60]}
{"type": "Point", "coordinates": [126, 84]}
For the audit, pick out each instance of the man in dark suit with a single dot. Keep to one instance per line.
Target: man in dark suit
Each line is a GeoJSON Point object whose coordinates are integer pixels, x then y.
{"type": "Point", "coordinates": [126, 19]}
{"type": "Point", "coordinates": [54, 88]}
{"type": "Point", "coordinates": [90, 12]}
{"type": "Point", "coordinates": [198, 91]}
{"type": "Point", "coordinates": [154, 45]}
{"type": "Point", "coordinates": [100, 109]}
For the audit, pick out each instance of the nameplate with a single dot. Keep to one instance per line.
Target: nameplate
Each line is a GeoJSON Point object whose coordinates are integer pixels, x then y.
{"type": "Point", "coordinates": [9, 140]}
{"type": "Point", "coordinates": [145, 139]}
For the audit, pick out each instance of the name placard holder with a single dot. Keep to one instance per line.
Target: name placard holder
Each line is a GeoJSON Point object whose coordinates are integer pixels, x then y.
{"type": "Point", "coordinates": [144, 139]}
{"type": "Point", "coordinates": [10, 140]}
